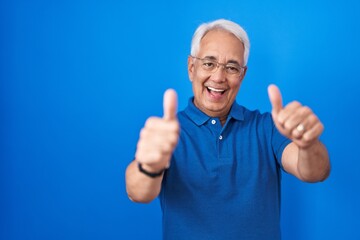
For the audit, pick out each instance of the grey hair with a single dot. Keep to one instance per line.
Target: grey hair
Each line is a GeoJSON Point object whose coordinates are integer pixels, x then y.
{"type": "Point", "coordinates": [223, 24]}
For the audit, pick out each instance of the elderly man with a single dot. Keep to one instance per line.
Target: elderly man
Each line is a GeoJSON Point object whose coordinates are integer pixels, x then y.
{"type": "Point", "coordinates": [216, 165]}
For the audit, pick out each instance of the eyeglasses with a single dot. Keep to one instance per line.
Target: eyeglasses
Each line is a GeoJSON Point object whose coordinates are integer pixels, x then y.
{"type": "Point", "coordinates": [211, 66]}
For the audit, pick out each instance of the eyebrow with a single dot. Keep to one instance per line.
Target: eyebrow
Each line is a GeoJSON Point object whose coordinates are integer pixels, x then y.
{"type": "Point", "coordinates": [215, 59]}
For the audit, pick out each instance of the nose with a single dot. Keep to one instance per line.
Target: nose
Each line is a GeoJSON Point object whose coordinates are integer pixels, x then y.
{"type": "Point", "coordinates": [220, 74]}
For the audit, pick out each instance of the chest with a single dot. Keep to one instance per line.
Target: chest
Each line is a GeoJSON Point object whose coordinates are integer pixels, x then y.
{"type": "Point", "coordinates": [223, 159]}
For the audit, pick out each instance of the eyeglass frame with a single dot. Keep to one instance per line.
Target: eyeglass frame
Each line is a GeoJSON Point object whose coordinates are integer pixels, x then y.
{"type": "Point", "coordinates": [224, 65]}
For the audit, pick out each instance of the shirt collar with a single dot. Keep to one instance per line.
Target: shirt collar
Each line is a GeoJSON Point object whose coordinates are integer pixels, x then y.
{"type": "Point", "coordinates": [199, 118]}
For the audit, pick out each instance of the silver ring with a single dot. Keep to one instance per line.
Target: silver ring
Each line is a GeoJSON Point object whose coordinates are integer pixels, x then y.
{"type": "Point", "coordinates": [300, 127]}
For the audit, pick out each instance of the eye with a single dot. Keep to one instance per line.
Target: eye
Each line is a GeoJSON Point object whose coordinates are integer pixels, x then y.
{"type": "Point", "coordinates": [232, 69]}
{"type": "Point", "coordinates": [207, 64]}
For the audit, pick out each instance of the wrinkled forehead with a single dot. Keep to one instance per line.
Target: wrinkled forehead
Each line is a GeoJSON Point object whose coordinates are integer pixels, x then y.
{"type": "Point", "coordinates": [221, 45]}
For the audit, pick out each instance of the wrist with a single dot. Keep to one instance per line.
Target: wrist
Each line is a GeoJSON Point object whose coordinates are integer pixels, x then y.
{"type": "Point", "coordinates": [145, 169]}
{"type": "Point", "coordinates": [311, 145]}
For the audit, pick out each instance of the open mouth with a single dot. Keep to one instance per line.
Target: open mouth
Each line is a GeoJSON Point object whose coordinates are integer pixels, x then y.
{"type": "Point", "coordinates": [215, 90]}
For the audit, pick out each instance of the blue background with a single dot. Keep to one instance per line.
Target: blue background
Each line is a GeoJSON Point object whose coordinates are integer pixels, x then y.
{"type": "Point", "coordinates": [79, 79]}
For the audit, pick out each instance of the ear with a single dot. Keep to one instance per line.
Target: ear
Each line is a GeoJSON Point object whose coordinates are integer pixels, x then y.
{"type": "Point", "coordinates": [243, 75]}
{"type": "Point", "coordinates": [191, 68]}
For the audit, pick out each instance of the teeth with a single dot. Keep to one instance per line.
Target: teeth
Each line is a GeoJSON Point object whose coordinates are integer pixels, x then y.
{"type": "Point", "coordinates": [215, 90]}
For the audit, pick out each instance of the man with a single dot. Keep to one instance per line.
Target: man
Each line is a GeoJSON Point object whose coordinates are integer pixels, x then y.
{"type": "Point", "coordinates": [216, 165]}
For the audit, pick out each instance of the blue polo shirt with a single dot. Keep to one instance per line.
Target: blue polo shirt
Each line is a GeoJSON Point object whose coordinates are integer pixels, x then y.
{"type": "Point", "coordinates": [224, 181]}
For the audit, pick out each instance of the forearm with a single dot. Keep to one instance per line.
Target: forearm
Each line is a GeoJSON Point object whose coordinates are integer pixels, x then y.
{"type": "Point", "coordinates": [313, 163]}
{"type": "Point", "coordinates": [139, 187]}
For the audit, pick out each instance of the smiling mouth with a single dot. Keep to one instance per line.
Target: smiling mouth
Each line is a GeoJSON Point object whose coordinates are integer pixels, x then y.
{"type": "Point", "coordinates": [215, 90]}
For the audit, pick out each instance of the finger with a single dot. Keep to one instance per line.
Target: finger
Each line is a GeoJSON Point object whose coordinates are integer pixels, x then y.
{"type": "Point", "coordinates": [314, 132]}
{"type": "Point", "coordinates": [170, 104]}
{"type": "Point", "coordinates": [292, 114]}
{"type": "Point", "coordinates": [302, 123]}
{"type": "Point", "coordinates": [275, 98]}
{"type": "Point", "coordinates": [159, 126]}
{"type": "Point", "coordinates": [310, 136]}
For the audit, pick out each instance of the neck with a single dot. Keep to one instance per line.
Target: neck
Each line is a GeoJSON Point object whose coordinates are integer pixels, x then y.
{"type": "Point", "coordinates": [223, 120]}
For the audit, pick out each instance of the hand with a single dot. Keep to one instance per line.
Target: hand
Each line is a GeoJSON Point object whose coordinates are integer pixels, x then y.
{"type": "Point", "coordinates": [294, 121]}
{"type": "Point", "coordinates": [159, 136]}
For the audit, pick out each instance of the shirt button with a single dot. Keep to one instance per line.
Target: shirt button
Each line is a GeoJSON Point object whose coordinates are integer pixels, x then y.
{"type": "Point", "coordinates": [213, 121]}
{"type": "Point", "coordinates": [220, 137]}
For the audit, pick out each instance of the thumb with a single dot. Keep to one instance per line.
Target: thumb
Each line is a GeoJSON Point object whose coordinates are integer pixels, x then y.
{"type": "Point", "coordinates": [170, 104]}
{"type": "Point", "coordinates": [275, 98]}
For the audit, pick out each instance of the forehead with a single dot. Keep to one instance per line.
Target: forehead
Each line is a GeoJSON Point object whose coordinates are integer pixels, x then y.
{"type": "Point", "coordinates": [221, 44]}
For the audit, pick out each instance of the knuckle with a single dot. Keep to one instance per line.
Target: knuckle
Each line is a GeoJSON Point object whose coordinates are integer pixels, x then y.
{"type": "Point", "coordinates": [307, 138]}
{"type": "Point", "coordinates": [167, 148]}
{"type": "Point", "coordinates": [173, 126]}
{"type": "Point", "coordinates": [151, 121]}
{"type": "Point", "coordinates": [318, 129]}
{"type": "Point", "coordinates": [288, 125]}
{"type": "Point", "coordinates": [296, 133]}
{"type": "Point", "coordinates": [157, 156]}
{"type": "Point", "coordinates": [297, 103]}
{"type": "Point", "coordinates": [294, 104]}
{"type": "Point", "coordinates": [281, 118]}
{"type": "Point", "coordinates": [312, 118]}
{"type": "Point", "coordinates": [177, 127]}
{"type": "Point", "coordinates": [140, 157]}
{"type": "Point", "coordinates": [306, 110]}
{"type": "Point", "coordinates": [139, 145]}
{"type": "Point", "coordinates": [143, 133]}
{"type": "Point", "coordinates": [171, 143]}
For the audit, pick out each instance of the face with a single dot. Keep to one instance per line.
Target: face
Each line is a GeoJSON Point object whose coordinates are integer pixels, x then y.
{"type": "Point", "coordinates": [214, 93]}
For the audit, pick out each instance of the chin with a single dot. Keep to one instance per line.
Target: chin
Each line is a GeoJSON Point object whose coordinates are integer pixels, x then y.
{"type": "Point", "coordinates": [216, 109]}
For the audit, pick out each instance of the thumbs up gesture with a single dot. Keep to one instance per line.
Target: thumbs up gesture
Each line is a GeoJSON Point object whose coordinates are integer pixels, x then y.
{"type": "Point", "coordinates": [294, 121]}
{"type": "Point", "coordinates": [159, 136]}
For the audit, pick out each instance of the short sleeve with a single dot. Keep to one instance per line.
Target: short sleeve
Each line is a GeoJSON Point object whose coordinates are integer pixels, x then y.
{"type": "Point", "coordinates": [279, 142]}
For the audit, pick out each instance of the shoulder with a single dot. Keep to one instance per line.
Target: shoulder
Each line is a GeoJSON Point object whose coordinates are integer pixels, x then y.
{"type": "Point", "coordinates": [257, 116]}
{"type": "Point", "coordinates": [182, 116]}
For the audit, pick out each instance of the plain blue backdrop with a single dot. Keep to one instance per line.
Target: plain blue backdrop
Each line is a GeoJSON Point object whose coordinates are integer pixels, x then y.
{"type": "Point", "coordinates": [79, 78]}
